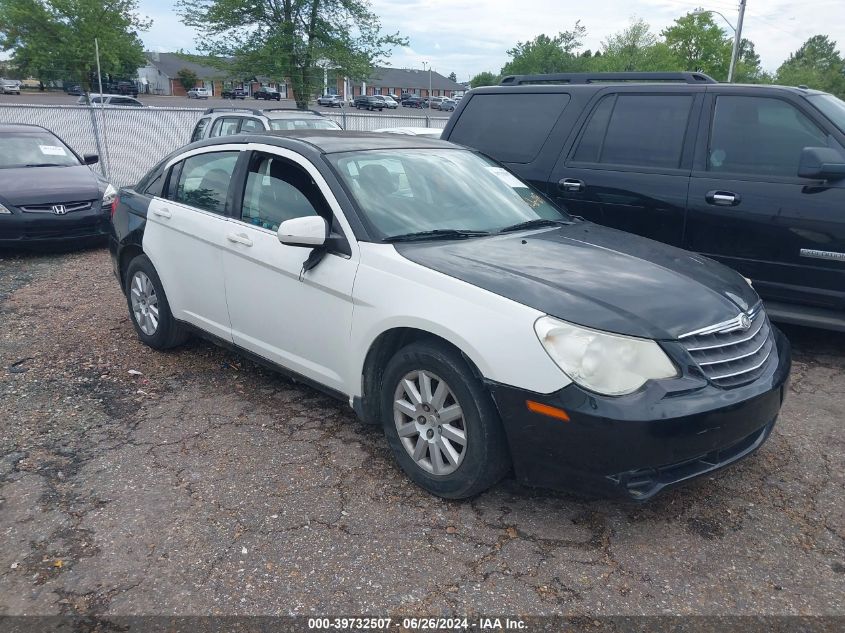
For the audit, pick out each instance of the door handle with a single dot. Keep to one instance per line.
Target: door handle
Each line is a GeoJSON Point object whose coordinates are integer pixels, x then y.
{"type": "Point", "coordinates": [164, 213]}
{"type": "Point", "coordinates": [723, 198]}
{"type": "Point", "coordinates": [570, 184]}
{"type": "Point", "coordinates": [239, 238]}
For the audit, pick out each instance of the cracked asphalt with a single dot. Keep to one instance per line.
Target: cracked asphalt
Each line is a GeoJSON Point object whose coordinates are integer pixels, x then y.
{"type": "Point", "coordinates": [194, 482]}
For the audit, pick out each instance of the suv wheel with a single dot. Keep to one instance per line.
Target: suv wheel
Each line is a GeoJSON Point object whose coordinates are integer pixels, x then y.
{"type": "Point", "coordinates": [440, 422]}
{"type": "Point", "coordinates": [149, 308]}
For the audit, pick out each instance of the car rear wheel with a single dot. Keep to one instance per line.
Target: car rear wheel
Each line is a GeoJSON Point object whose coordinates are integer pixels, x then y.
{"type": "Point", "coordinates": [441, 423]}
{"type": "Point", "coordinates": [149, 308]}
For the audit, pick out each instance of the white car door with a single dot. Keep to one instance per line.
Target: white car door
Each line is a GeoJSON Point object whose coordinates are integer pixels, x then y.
{"type": "Point", "coordinates": [300, 320]}
{"type": "Point", "coordinates": [186, 233]}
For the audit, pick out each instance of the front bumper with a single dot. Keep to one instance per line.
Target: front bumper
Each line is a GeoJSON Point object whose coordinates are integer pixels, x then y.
{"type": "Point", "coordinates": [22, 229]}
{"type": "Point", "coordinates": [640, 444]}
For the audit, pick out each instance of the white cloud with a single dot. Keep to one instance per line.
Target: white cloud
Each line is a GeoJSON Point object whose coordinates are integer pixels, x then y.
{"type": "Point", "coordinates": [468, 36]}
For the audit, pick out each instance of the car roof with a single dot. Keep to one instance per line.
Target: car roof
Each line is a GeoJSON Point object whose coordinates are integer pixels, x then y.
{"type": "Point", "coordinates": [633, 85]}
{"type": "Point", "coordinates": [291, 114]}
{"type": "Point", "coordinates": [334, 141]}
{"type": "Point", "coordinates": [23, 127]}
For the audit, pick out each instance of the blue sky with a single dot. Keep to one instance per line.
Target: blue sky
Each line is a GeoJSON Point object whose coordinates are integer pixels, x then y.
{"type": "Point", "coordinates": [468, 36]}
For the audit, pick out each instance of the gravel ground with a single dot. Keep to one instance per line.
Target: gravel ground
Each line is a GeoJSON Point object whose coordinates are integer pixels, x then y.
{"type": "Point", "coordinates": [194, 482]}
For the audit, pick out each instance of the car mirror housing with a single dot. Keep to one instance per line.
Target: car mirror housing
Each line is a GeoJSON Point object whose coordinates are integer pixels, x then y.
{"type": "Point", "coordinates": [309, 232]}
{"type": "Point", "coordinates": [821, 163]}
{"type": "Point", "coordinates": [90, 159]}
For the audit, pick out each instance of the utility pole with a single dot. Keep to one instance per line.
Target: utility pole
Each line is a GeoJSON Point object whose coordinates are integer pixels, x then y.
{"type": "Point", "coordinates": [737, 40]}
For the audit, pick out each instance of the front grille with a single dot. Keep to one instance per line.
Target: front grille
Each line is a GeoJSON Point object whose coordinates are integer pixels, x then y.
{"type": "Point", "coordinates": [68, 207]}
{"type": "Point", "coordinates": [729, 354]}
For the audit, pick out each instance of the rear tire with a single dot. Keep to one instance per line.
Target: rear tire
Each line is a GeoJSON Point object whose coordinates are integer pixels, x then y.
{"type": "Point", "coordinates": [149, 309]}
{"type": "Point", "coordinates": [440, 422]}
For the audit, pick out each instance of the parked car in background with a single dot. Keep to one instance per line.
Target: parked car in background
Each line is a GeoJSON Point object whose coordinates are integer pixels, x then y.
{"type": "Point", "coordinates": [268, 94]}
{"type": "Point", "coordinates": [369, 102]}
{"type": "Point", "coordinates": [412, 101]}
{"type": "Point", "coordinates": [234, 93]}
{"type": "Point", "coordinates": [389, 103]}
{"type": "Point", "coordinates": [48, 193]}
{"type": "Point", "coordinates": [123, 88]}
{"type": "Point", "coordinates": [330, 101]}
{"type": "Point", "coordinates": [752, 176]}
{"type": "Point", "coordinates": [110, 100]}
{"type": "Point", "coordinates": [10, 86]}
{"type": "Point", "coordinates": [74, 89]}
{"type": "Point", "coordinates": [447, 105]}
{"type": "Point", "coordinates": [199, 93]}
{"type": "Point", "coordinates": [433, 102]}
{"type": "Point", "coordinates": [427, 132]}
{"type": "Point", "coordinates": [444, 298]}
{"type": "Point", "coordinates": [228, 121]}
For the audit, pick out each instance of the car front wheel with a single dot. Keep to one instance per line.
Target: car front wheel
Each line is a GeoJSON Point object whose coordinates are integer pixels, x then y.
{"type": "Point", "coordinates": [149, 308]}
{"type": "Point", "coordinates": [441, 423]}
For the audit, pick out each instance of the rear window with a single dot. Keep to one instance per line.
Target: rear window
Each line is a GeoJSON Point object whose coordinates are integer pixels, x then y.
{"type": "Point", "coordinates": [509, 127]}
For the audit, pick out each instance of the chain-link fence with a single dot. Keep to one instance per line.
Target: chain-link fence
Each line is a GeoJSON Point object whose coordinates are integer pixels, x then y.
{"type": "Point", "coordinates": [130, 141]}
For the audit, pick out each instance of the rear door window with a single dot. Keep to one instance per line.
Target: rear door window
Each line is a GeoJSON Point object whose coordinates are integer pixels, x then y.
{"type": "Point", "coordinates": [199, 129]}
{"type": "Point", "coordinates": [636, 130]}
{"type": "Point", "coordinates": [509, 127]}
{"type": "Point", "coordinates": [203, 181]}
{"type": "Point", "coordinates": [225, 126]}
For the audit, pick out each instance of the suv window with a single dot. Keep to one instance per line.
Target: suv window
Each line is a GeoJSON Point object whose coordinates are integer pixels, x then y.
{"type": "Point", "coordinates": [636, 130]}
{"type": "Point", "coordinates": [760, 135]}
{"type": "Point", "coordinates": [252, 125]}
{"type": "Point", "coordinates": [510, 127]}
{"type": "Point", "coordinates": [278, 190]}
{"type": "Point", "coordinates": [199, 129]}
{"type": "Point", "coordinates": [204, 180]}
{"type": "Point", "coordinates": [225, 126]}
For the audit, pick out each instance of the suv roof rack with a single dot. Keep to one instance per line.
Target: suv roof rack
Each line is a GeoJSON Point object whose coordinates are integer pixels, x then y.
{"type": "Point", "coordinates": [292, 110]}
{"type": "Point", "coordinates": [250, 110]}
{"type": "Point", "coordinates": [589, 78]}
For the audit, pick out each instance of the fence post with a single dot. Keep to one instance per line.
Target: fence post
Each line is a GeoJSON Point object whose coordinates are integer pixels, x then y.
{"type": "Point", "coordinates": [103, 166]}
{"type": "Point", "coordinates": [427, 120]}
{"type": "Point", "coordinates": [343, 114]}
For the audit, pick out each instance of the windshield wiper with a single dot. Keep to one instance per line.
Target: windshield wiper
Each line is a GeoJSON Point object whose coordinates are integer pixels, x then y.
{"type": "Point", "coordinates": [44, 165]}
{"type": "Point", "coordinates": [436, 234]}
{"type": "Point", "coordinates": [533, 224]}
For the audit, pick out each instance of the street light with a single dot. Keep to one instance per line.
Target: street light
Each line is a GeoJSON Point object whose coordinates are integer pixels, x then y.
{"type": "Point", "coordinates": [737, 34]}
{"type": "Point", "coordinates": [429, 82]}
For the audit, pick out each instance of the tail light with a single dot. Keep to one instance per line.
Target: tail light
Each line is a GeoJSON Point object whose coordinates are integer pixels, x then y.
{"type": "Point", "coordinates": [114, 205]}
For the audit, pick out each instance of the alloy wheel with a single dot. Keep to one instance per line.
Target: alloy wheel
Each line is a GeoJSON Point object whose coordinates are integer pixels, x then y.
{"type": "Point", "coordinates": [430, 422]}
{"type": "Point", "coordinates": [144, 303]}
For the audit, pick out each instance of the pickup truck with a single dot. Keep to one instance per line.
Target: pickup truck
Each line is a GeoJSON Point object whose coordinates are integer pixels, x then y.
{"type": "Point", "coordinates": [268, 94]}
{"type": "Point", "coordinates": [234, 93]}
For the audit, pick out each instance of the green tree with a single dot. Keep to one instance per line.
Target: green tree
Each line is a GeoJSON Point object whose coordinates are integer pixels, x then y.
{"type": "Point", "coordinates": [636, 48]}
{"type": "Point", "coordinates": [485, 78]}
{"type": "Point", "coordinates": [453, 77]}
{"type": "Point", "coordinates": [700, 44]}
{"type": "Point", "coordinates": [54, 39]}
{"type": "Point", "coordinates": [546, 54]}
{"type": "Point", "coordinates": [817, 64]}
{"type": "Point", "coordinates": [284, 39]}
{"type": "Point", "coordinates": [188, 78]}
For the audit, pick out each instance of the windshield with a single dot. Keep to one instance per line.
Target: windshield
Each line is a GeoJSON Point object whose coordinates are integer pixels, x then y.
{"type": "Point", "coordinates": [28, 149]}
{"type": "Point", "coordinates": [438, 189]}
{"type": "Point", "coordinates": [303, 124]}
{"type": "Point", "coordinates": [831, 107]}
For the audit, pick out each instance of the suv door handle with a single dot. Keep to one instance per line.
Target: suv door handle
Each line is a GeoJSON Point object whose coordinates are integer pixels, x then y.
{"type": "Point", "coordinates": [570, 184]}
{"type": "Point", "coordinates": [723, 198]}
{"type": "Point", "coordinates": [239, 238]}
{"type": "Point", "coordinates": [164, 212]}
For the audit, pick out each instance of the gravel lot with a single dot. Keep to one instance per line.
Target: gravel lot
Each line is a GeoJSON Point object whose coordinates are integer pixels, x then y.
{"type": "Point", "coordinates": [193, 482]}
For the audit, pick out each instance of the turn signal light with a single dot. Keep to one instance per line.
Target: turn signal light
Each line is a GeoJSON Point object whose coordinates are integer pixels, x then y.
{"type": "Point", "coordinates": [545, 409]}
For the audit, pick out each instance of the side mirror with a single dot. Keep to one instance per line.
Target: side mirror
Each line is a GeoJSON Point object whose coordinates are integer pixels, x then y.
{"type": "Point", "coordinates": [310, 231]}
{"type": "Point", "coordinates": [821, 163]}
{"type": "Point", "coordinates": [90, 159]}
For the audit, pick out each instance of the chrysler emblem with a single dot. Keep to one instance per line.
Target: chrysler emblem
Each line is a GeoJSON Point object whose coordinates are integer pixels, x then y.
{"type": "Point", "coordinates": [59, 209]}
{"type": "Point", "coordinates": [744, 322]}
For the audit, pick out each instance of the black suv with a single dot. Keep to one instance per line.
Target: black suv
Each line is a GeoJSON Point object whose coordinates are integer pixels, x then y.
{"type": "Point", "coordinates": [752, 176]}
{"type": "Point", "coordinates": [369, 102]}
{"type": "Point", "coordinates": [268, 94]}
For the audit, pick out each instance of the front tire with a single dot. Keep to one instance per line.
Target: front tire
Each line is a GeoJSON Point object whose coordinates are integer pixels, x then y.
{"type": "Point", "coordinates": [149, 309]}
{"type": "Point", "coordinates": [441, 423]}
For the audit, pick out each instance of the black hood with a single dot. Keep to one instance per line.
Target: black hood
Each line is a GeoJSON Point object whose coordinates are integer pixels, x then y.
{"type": "Point", "coordinates": [48, 185]}
{"type": "Point", "coordinates": [597, 277]}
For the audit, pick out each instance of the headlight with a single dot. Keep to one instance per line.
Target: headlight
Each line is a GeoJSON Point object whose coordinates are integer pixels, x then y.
{"type": "Point", "coordinates": [109, 196]}
{"type": "Point", "coordinates": [609, 364]}
{"type": "Point", "coordinates": [4, 210]}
